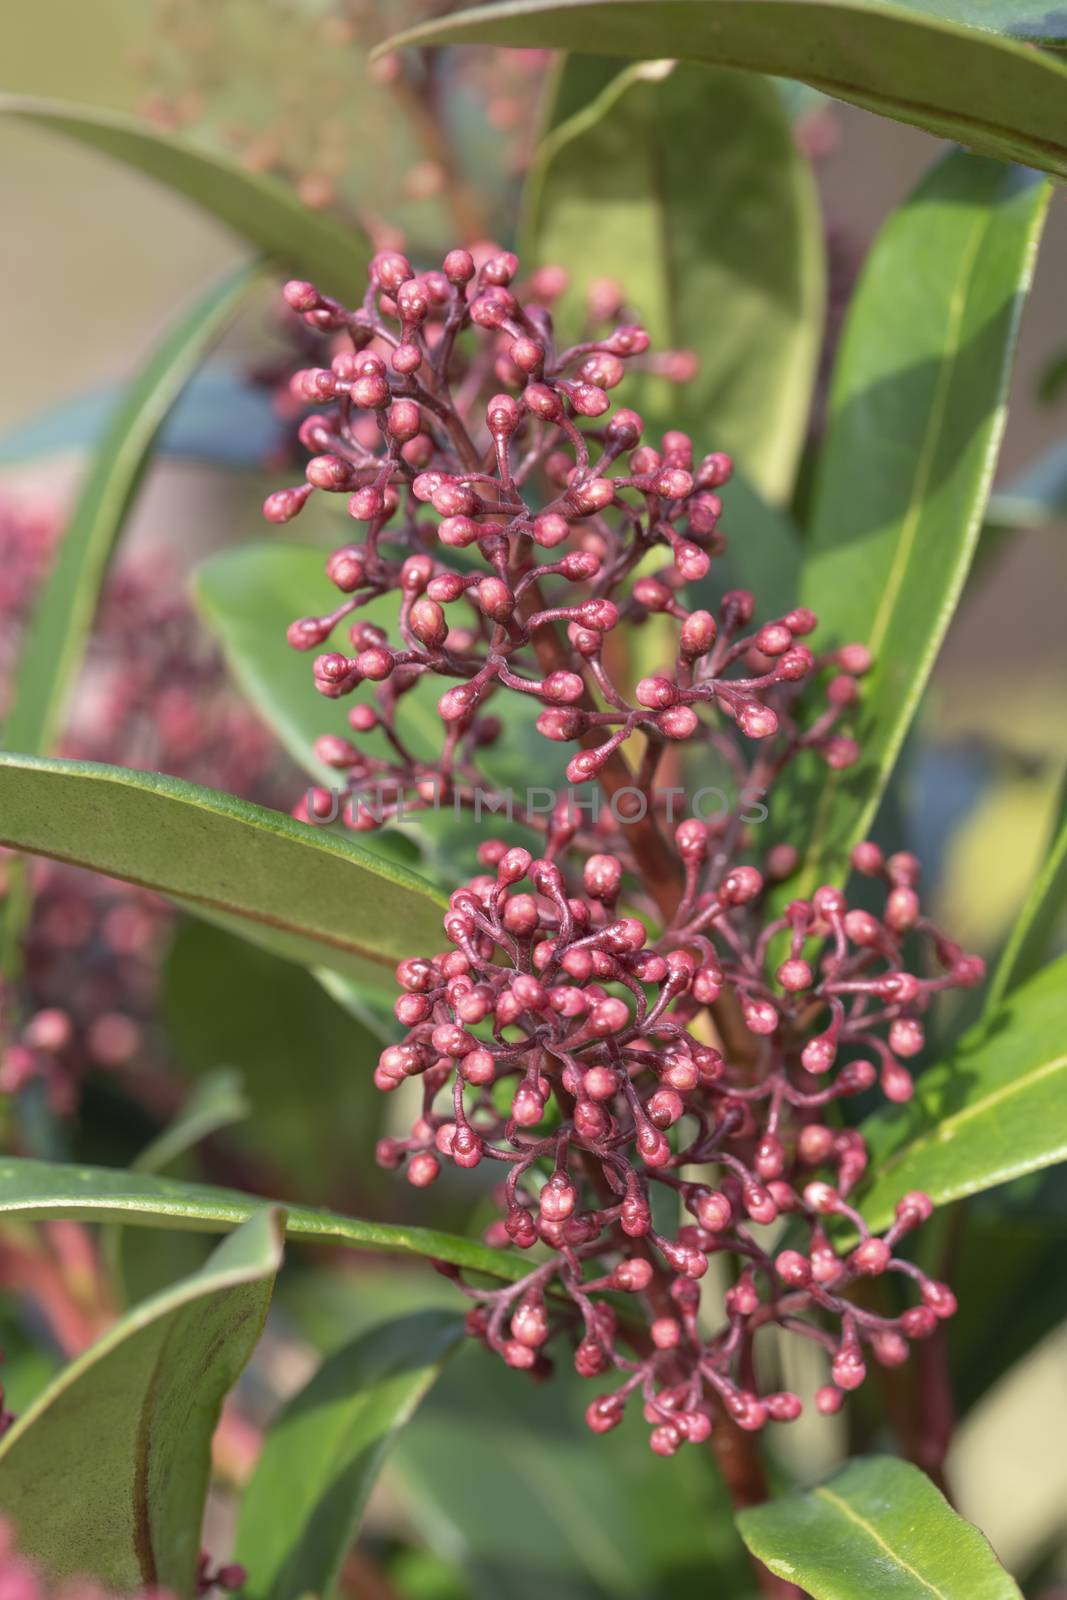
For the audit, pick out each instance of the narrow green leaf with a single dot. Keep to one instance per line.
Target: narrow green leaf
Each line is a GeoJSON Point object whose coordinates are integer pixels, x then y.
{"type": "Point", "coordinates": [54, 647]}
{"type": "Point", "coordinates": [106, 1475]}
{"type": "Point", "coordinates": [259, 209]}
{"type": "Point", "coordinates": [919, 63]}
{"type": "Point", "coordinates": [1035, 925]}
{"type": "Point", "coordinates": [996, 1109]}
{"type": "Point", "coordinates": [36, 1189]}
{"type": "Point", "coordinates": [308, 894]}
{"type": "Point", "coordinates": [302, 1508]}
{"type": "Point", "coordinates": [616, 192]}
{"type": "Point", "coordinates": [877, 1530]}
{"type": "Point", "coordinates": [57, 635]}
{"type": "Point", "coordinates": [226, 1000]}
{"type": "Point", "coordinates": [916, 417]}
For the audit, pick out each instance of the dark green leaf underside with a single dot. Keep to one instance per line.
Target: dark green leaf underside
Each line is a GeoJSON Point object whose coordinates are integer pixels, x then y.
{"type": "Point", "coordinates": [994, 93]}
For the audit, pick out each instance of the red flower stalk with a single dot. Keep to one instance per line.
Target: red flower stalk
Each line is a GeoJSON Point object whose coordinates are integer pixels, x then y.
{"type": "Point", "coordinates": [656, 1098]}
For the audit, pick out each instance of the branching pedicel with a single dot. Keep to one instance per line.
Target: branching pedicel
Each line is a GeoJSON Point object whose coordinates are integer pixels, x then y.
{"type": "Point", "coordinates": [594, 1058]}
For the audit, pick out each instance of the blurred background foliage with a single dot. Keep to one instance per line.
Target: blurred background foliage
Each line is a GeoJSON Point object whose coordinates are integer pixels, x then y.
{"type": "Point", "coordinates": [84, 296]}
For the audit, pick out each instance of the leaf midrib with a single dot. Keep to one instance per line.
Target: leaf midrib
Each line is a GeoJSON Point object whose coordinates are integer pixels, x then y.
{"type": "Point", "coordinates": [909, 525]}
{"type": "Point", "coordinates": [845, 1510]}
{"type": "Point", "coordinates": [947, 1128]}
{"type": "Point", "coordinates": [909, 528]}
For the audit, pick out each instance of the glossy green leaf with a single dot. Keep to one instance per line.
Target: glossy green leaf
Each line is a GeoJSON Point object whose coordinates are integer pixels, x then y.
{"type": "Point", "coordinates": [917, 413]}
{"type": "Point", "coordinates": [313, 1130]}
{"type": "Point", "coordinates": [261, 210]}
{"type": "Point", "coordinates": [722, 254]}
{"type": "Point", "coordinates": [996, 1109]}
{"type": "Point", "coordinates": [55, 641]}
{"type": "Point", "coordinates": [36, 1189]}
{"type": "Point", "coordinates": [877, 1530]}
{"type": "Point", "coordinates": [302, 1508]}
{"type": "Point", "coordinates": [916, 62]}
{"type": "Point", "coordinates": [305, 892]}
{"type": "Point", "coordinates": [533, 1504]}
{"type": "Point", "coordinates": [1029, 940]}
{"type": "Point", "coordinates": [105, 1476]}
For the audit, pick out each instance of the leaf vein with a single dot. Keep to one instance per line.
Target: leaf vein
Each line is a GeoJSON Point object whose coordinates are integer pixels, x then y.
{"type": "Point", "coordinates": [861, 1522]}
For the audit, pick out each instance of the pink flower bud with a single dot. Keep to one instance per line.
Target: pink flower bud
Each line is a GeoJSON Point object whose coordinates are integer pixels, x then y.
{"type": "Point", "coordinates": [757, 721]}
{"type": "Point", "coordinates": [740, 886]}
{"type": "Point", "coordinates": [285, 504]}
{"type": "Point", "coordinates": [793, 1268]}
{"type": "Point", "coordinates": [309, 632]}
{"type": "Point", "coordinates": [403, 419]}
{"type": "Point", "coordinates": [558, 1198]}
{"type": "Point", "coordinates": [458, 266]}
{"type": "Point", "coordinates": [604, 1414]}
{"type": "Point", "coordinates": [939, 1298]}
{"type": "Point", "coordinates": [502, 416]}
{"type": "Point", "coordinates": [871, 1257]}
{"type": "Point", "coordinates": [301, 296]}
{"type": "Point", "coordinates": [854, 659]}
{"type": "Point", "coordinates": [829, 1400]}
{"type": "Point", "coordinates": [677, 722]}
{"type": "Point", "coordinates": [794, 975]}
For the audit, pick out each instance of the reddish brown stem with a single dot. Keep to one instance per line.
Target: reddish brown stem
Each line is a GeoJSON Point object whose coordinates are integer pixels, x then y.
{"type": "Point", "coordinates": [659, 866]}
{"type": "Point", "coordinates": [735, 1452]}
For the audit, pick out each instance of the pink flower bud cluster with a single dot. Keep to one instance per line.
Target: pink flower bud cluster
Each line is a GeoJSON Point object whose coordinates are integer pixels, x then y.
{"type": "Point", "coordinates": [558, 1037]}
{"type": "Point", "coordinates": [500, 521]}
{"type": "Point", "coordinates": [561, 1035]}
